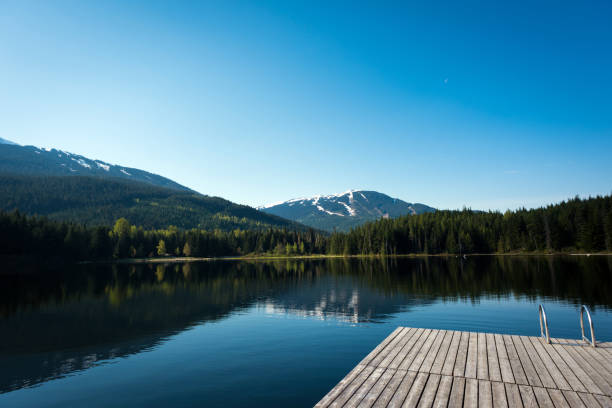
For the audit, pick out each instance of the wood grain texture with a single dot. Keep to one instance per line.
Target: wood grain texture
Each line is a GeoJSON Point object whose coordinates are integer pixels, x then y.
{"type": "Point", "coordinates": [493, 358]}
{"type": "Point", "coordinates": [438, 364]}
{"type": "Point", "coordinates": [427, 368]}
{"type": "Point", "coordinates": [499, 395]}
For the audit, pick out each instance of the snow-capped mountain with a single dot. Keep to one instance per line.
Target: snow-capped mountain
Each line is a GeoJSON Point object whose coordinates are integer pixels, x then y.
{"type": "Point", "coordinates": [31, 160]}
{"type": "Point", "coordinates": [344, 211]}
{"type": "Point", "coordinates": [65, 186]}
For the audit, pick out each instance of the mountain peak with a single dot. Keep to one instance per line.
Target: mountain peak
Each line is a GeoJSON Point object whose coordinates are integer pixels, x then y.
{"type": "Point", "coordinates": [344, 210]}
{"type": "Point", "coordinates": [313, 199]}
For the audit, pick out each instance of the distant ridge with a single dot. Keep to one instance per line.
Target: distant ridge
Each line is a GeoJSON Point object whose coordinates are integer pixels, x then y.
{"type": "Point", "coordinates": [345, 210]}
{"type": "Point", "coordinates": [7, 142]}
{"type": "Point", "coordinates": [16, 159]}
{"type": "Point", "coordinates": [70, 187]}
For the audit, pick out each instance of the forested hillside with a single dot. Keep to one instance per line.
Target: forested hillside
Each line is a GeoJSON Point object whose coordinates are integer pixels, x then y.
{"type": "Point", "coordinates": [574, 225]}
{"type": "Point", "coordinates": [100, 202]}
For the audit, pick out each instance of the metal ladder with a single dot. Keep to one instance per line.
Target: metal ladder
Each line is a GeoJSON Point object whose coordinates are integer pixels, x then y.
{"type": "Point", "coordinates": [544, 325]}
{"type": "Point", "coordinates": [583, 308]}
{"type": "Point", "coordinates": [542, 314]}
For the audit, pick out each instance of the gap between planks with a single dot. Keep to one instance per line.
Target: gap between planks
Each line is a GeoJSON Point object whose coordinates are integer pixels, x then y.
{"type": "Point", "coordinates": [425, 367]}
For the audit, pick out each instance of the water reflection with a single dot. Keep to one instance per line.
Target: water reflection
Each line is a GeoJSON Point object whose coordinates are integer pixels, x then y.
{"type": "Point", "coordinates": [53, 324]}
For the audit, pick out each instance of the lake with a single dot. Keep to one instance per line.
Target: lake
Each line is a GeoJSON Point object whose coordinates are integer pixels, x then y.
{"type": "Point", "coordinates": [262, 333]}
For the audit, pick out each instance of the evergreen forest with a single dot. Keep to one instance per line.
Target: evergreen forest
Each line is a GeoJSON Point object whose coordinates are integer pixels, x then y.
{"type": "Point", "coordinates": [576, 225]}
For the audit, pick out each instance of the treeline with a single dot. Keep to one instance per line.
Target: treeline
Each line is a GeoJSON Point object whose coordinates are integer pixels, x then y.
{"type": "Point", "coordinates": [575, 225]}
{"type": "Point", "coordinates": [23, 235]}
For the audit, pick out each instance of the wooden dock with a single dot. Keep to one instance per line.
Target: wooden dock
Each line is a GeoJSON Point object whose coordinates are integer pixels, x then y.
{"type": "Point", "coordinates": [439, 368]}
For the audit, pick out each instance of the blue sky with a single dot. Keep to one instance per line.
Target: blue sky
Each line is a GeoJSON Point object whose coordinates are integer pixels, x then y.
{"type": "Point", "coordinates": [490, 105]}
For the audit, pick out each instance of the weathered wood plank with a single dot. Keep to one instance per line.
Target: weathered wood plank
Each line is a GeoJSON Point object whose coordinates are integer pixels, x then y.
{"type": "Point", "coordinates": [485, 394]}
{"type": "Point", "coordinates": [348, 391]}
{"type": "Point", "coordinates": [554, 371]}
{"type": "Point", "coordinates": [429, 393]}
{"type": "Point", "coordinates": [513, 395]}
{"type": "Point", "coordinates": [530, 371]}
{"type": "Point", "coordinates": [482, 370]}
{"type": "Point", "coordinates": [398, 346]}
{"type": "Point", "coordinates": [604, 401]}
{"type": "Point", "coordinates": [364, 389]}
{"type": "Point", "coordinates": [541, 369]}
{"type": "Point", "coordinates": [588, 383]}
{"type": "Point", "coordinates": [593, 361]}
{"type": "Point", "coordinates": [415, 392]}
{"type": "Point", "coordinates": [375, 392]}
{"type": "Point", "coordinates": [389, 390]}
{"type": "Point", "coordinates": [436, 367]}
{"type": "Point", "coordinates": [604, 350]}
{"type": "Point", "coordinates": [472, 356]}
{"type": "Point", "coordinates": [597, 361]}
{"type": "Point", "coordinates": [517, 368]}
{"type": "Point", "coordinates": [528, 397]}
{"type": "Point", "coordinates": [589, 400]}
{"type": "Point", "coordinates": [382, 345]}
{"type": "Point", "coordinates": [402, 390]}
{"type": "Point", "coordinates": [543, 398]}
{"type": "Point", "coordinates": [573, 399]}
{"type": "Point", "coordinates": [444, 390]}
{"type": "Point", "coordinates": [418, 359]}
{"type": "Point", "coordinates": [493, 359]}
{"type": "Point", "coordinates": [470, 399]}
{"type": "Point", "coordinates": [499, 395]}
{"type": "Point", "coordinates": [591, 371]}
{"type": "Point", "coordinates": [558, 399]}
{"type": "Point", "coordinates": [567, 372]}
{"type": "Point", "coordinates": [460, 361]}
{"type": "Point", "coordinates": [451, 355]}
{"type": "Point", "coordinates": [604, 344]}
{"type": "Point", "coordinates": [414, 351]}
{"type": "Point", "coordinates": [504, 361]}
{"type": "Point", "coordinates": [330, 396]}
{"type": "Point", "coordinates": [407, 348]}
{"type": "Point", "coordinates": [457, 392]}
{"type": "Point", "coordinates": [433, 352]}
{"type": "Point", "coordinates": [387, 350]}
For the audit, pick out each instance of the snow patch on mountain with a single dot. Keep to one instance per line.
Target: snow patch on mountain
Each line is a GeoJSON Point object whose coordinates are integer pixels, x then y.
{"type": "Point", "coordinates": [328, 212]}
{"type": "Point", "coordinates": [50, 161]}
{"type": "Point", "coordinates": [82, 162]}
{"type": "Point", "coordinates": [350, 210]}
{"type": "Point", "coordinates": [104, 166]}
{"type": "Point", "coordinates": [345, 210]}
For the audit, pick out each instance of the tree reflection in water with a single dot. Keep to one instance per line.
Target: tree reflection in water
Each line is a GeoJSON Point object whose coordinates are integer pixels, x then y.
{"type": "Point", "coordinates": [53, 324]}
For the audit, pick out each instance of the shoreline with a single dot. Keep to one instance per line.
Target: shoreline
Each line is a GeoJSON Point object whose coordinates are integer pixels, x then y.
{"type": "Point", "coordinates": [184, 259]}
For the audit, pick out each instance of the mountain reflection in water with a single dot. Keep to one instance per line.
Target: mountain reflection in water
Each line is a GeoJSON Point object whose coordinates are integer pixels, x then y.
{"type": "Point", "coordinates": [54, 324]}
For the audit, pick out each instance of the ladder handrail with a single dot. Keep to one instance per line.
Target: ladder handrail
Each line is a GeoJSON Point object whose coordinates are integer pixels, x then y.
{"type": "Point", "coordinates": [582, 309]}
{"type": "Point", "coordinates": [542, 313]}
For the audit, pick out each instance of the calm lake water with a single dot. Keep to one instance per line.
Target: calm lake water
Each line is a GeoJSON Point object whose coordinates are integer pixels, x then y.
{"type": "Point", "coordinates": [233, 334]}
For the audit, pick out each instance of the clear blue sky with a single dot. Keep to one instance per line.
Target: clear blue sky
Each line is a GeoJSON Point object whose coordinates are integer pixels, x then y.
{"type": "Point", "coordinates": [481, 104]}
